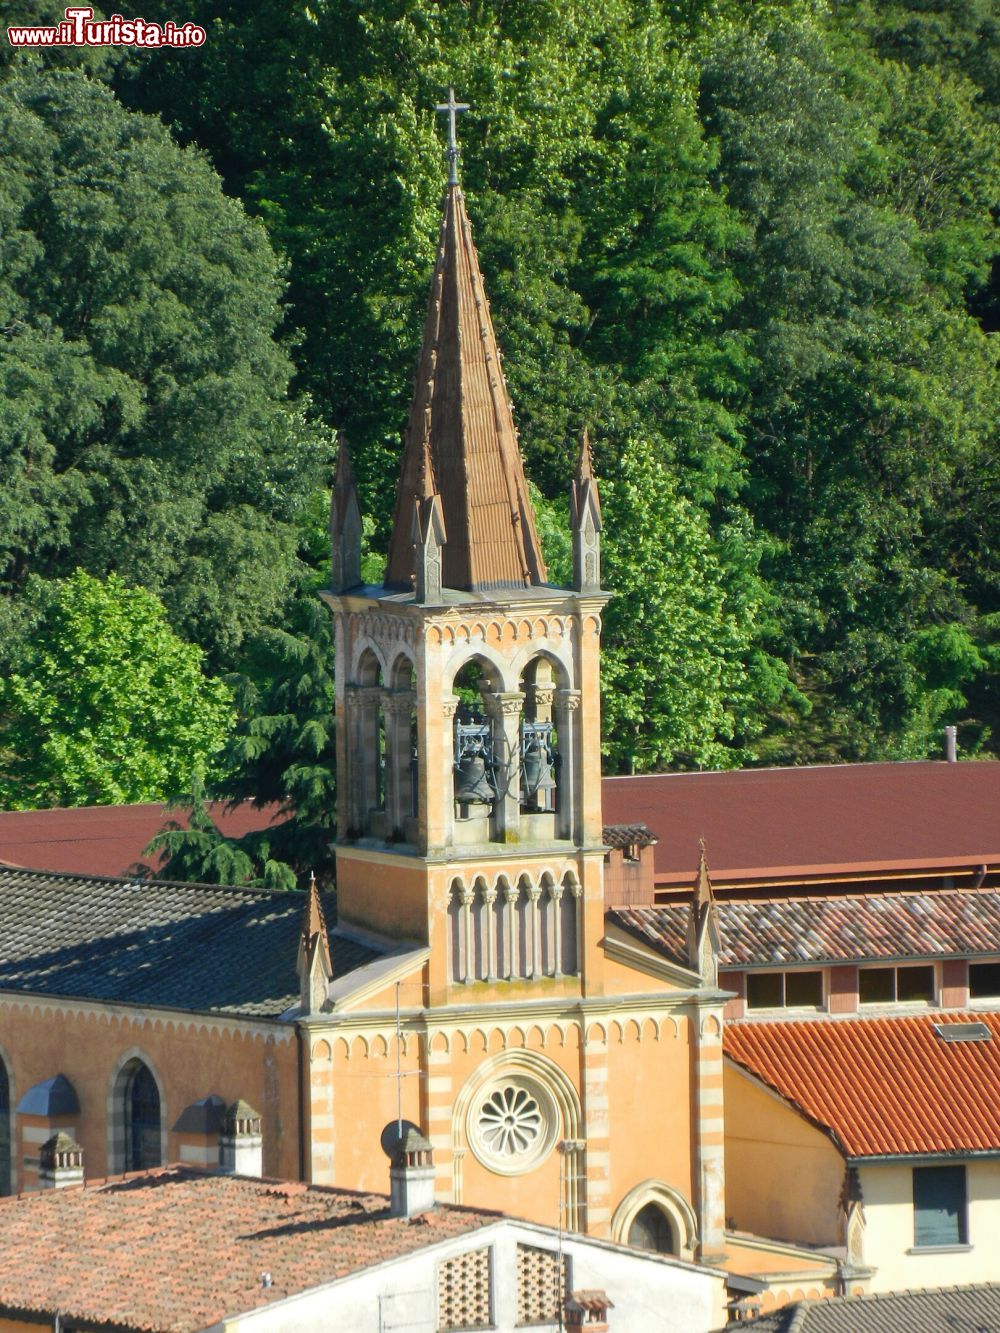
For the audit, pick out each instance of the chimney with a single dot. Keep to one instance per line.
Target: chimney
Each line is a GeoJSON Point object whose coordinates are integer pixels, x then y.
{"type": "Point", "coordinates": [411, 1175]}
{"type": "Point", "coordinates": [588, 1310]}
{"type": "Point", "coordinates": [60, 1162]}
{"type": "Point", "coordinates": [241, 1147]}
{"type": "Point", "coordinates": [951, 744]}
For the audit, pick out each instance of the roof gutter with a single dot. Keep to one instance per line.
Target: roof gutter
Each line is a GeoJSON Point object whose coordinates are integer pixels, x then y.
{"type": "Point", "coordinates": [930, 1158]}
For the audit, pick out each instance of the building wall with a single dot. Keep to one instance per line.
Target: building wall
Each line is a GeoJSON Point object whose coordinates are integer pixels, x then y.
{"type": "Point", "coordinates": [190, 1056]}
{"type": "Point", "coordinates": [783, 1175]}
{"type": "Point", "coordinates": [888, 1234]}
{"type": "Point", "coordinates": [621, 1085]}
{"type": "Point", "coordinates": [650, 1295]}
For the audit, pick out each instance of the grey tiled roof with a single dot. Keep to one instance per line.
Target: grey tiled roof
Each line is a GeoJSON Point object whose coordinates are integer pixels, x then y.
{"type": "Point", "coordinates": [776, 931]}
{"type": "Point", "coordinates": [147, 942]}
{"type": "Point", "coordinates": [969, 1309]}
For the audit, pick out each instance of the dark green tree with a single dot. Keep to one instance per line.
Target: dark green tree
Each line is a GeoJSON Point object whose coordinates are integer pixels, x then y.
{"type": "Point", "coordinates": [279, 755]}
{"type": "Point", "coordinates": [144, 420]}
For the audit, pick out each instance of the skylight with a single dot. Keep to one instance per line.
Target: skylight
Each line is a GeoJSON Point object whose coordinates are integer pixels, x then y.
{"type": "Point", "coordinates": [962, 1031]}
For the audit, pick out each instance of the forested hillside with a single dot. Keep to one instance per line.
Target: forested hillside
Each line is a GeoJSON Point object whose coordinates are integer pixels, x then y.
{"type": "Point", "coordinates": [751, 247]}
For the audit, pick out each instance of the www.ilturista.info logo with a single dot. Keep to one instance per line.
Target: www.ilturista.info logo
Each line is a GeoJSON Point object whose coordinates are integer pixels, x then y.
{"type": "Point", "coordinates": [80, 28]}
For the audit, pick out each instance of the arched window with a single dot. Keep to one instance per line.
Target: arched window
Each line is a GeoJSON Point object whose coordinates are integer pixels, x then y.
{"type": "Point", "coordinates": [651, 1230]}
{"type": "Point", "coordinates": [5, 1181]}
{"type": "Point", "coordinates": [142, 1120]}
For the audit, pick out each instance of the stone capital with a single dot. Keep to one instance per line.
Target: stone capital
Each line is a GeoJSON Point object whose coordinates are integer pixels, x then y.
{"type": "Point", "coordinates": [450, 705]}
{"type": "Point", "coordinates": [568, 699]}
{"type": "Point", "coordinates": [503, 703]}
{"type": "Point", "coordinates": [399, 703]}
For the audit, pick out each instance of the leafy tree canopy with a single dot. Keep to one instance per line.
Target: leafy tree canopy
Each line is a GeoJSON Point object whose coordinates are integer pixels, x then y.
{"type": "Point", "coordinates": [108, 705]}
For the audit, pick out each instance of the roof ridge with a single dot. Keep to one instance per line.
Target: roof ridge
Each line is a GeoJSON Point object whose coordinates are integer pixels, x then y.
{"type": "Point", "coordinates": [140, 880]}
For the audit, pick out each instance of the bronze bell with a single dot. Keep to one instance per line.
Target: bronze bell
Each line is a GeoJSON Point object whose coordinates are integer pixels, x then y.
{"type": "Point", "coordinates": [472, 786]}
{"type": "Point", "coordinates": [536, 768]}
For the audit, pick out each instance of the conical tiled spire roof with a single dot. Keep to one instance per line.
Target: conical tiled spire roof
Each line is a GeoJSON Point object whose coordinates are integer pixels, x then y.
{"type": "Point", "coordinates": [314, 934]}
{"type": "Point", "coordinates": [460, 442]}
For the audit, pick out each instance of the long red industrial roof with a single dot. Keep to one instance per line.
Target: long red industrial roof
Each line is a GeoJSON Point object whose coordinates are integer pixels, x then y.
{"type": "Point", "coordinates": [105, 839]}
{"type": "Point", "coordinates": [883, 1086]}
{"type": "Point", "coordinates": [782, 823]}
{"type": "Point", "coordinates": [759, 824]}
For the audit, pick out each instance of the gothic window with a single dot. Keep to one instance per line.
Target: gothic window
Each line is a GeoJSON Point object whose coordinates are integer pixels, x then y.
{"type": "Point", "coordinates": [456, 950]}
{"type": "Point", "coordinates": [651, 1230]}
{"type": "Point", "coordinates": [142, 1120]}
{"type": "Point", "coordinates": [370, 743]}
{"type": "Point", "coordinates": [538, 742]}
{"type": "Point", "coordinates": [5, 1181]}
{"type": "Point", "coordinates": [568, 908]}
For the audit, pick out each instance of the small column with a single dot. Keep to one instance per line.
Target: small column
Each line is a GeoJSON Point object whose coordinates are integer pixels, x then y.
{"type": "Point", "coordinates": [241, 1145]}
{"type": "Point", "coordinates": [60, 1162]}
{"type": "Point", "coordinates": [466, 897]}
{"type": "Point", "coordinates": [566, 708]}
{"type": "Point", "coordinates": [491, 926]}
{"type": "Point", "coordinates": [511, 893]}
{"type": "Point", "coordinates": [534, 894]}
{"type": "Point", "coordinates": [504, 709]}
{"type": "Point", "coordinates": [351, 800]}
{"type": "Point", "coordinates": [576, 888]}
{"type": "Point", "coordinates": [555, 896]}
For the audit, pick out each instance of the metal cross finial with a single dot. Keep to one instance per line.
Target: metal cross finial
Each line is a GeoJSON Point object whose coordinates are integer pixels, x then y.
{"type": "Point", "coordinates": [451, 106]}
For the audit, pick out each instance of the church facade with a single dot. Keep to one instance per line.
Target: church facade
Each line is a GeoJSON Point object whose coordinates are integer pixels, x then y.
{"type": "Point", "coordinates": [555, 1078]}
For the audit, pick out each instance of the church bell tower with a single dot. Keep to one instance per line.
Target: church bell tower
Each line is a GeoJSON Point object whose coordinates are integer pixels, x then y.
{"type": "Point", "coordinates": [467, 686]}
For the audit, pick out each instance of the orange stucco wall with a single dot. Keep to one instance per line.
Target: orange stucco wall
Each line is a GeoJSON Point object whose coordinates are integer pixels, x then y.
{"type": "Point", "coordinates": [191, 1057]}
{"type": "Point", "coordinates": [769, 1144]}
{"type": "Point", "coordinates": [624, 1086]}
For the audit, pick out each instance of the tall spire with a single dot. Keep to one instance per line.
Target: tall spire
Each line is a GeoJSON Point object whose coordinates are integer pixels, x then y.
{"type": "Point", "coordinates": [460, 443]}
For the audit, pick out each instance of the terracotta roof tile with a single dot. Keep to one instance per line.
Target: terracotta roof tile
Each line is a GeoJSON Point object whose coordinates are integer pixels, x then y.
{"type": "Point", "coordinates": [178, 1250]}
{"type": "Point", "coordinates": [882, 1086]}
{"type": "Point", "coordinates": [782, 822]}
{"type": "Point", "coordinates": [461, 440]}
{"type": "Point", "coordinates": [849, 928]}
{"type": "Point", "coordinates": [627, 835]}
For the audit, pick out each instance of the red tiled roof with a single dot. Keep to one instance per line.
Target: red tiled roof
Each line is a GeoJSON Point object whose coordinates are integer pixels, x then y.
{"type": "Point", "coordinates": [771, 823]}
{"type": "Point", "coordinates": [178, 1250]}
{"type": "Point", "coordinates": [104, 839]}
{"type": "Point", "coordinates": [882, 1086]}
{"type": "Point", "coordinates": [846, 928]}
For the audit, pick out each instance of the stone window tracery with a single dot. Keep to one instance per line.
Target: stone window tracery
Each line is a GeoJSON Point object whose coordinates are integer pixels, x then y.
{"type": "Point", "coordinates": [513, 1124]}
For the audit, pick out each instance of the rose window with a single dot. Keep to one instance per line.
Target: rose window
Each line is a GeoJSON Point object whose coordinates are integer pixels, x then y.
{"type": "Point", "coordinates": [510, 1122]}
{"type": "Point", "coordinates": [513, 1124]}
